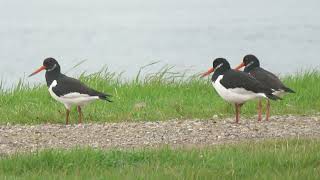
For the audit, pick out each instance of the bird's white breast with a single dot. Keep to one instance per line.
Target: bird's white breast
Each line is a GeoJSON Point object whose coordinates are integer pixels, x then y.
{"type": "Point", "coordinates": [235, 95]}
{"type": "Point", "coordinates": [53, 95]}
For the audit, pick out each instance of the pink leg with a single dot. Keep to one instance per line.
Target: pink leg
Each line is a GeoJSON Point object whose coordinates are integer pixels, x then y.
{"type": "Point", "coordinates": [80, 115]}
{"type": "Point", "coordinates": [259, 110]}
{"type": "Point", "coordinates": [268, 110]}
{"type": "Point", "coordinates": [67, 116]}
{"type": "Point", "coordinates": [237, 112]}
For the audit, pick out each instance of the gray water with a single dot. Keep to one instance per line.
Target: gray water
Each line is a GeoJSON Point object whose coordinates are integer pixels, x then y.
{"type": "Point", "coordinates": [125, 35]}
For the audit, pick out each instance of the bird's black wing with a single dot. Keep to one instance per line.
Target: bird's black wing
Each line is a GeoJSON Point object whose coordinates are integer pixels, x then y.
{"type": "Point", "coordinates": [268, 79]}
{"type": "Point", "coordinates": [234, 79]}
{"type": "Point", "coordinates": [66, 85]}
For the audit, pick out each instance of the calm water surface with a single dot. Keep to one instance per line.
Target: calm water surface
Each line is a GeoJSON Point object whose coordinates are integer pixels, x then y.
{"type": "Point", "coordinates": [125, 35]}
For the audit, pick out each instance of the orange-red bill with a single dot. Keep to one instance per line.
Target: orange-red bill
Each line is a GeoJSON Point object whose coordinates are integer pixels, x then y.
{"type": "Point", "coordinates": [37, 71]}
{"type": "Point", "coordinates": [208, 72]}
{"type": "Point", "coordinates": [240, 66]}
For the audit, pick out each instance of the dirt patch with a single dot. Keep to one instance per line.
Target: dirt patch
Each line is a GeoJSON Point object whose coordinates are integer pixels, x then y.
{"type": "Point", "coordinates": [176, 133]}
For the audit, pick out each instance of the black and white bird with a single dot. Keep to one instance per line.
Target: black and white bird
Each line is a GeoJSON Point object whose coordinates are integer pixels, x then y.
{"type": "Point", "coordinates": [252, 66]}
{"type": "Point", "coordinates": [236, 87]}
{"type": "Point", "coordinates": [67, 90]}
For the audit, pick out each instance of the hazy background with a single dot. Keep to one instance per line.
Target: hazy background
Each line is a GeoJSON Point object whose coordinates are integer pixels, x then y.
{"type": "Point", "coordinates": [125, 35]}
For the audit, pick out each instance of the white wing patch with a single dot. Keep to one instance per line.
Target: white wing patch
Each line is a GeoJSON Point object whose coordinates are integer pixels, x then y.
{"type": "Point", "coordinates": [75, 95]}
{"type": "Point", "coordinates": [279, 93]}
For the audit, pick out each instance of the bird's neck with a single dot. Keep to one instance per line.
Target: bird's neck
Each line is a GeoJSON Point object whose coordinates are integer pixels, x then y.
{"type": "Point", "coordinates": [248, 69]}
{"type": "Point", "coordinates": [51, 76]}
{"type": "Point", "coordinates": [218, 72]}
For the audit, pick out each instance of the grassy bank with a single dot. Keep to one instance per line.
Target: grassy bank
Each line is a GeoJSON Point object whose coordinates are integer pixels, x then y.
{"type": "Point", "coordinates": [161, 96]}
{"type": "Point", "coordinates": [293, 159]}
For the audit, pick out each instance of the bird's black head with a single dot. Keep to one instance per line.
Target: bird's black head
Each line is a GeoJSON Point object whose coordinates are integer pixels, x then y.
{"type": "Point", "coordinates": [50, 65]}
{"type": "Point", "coordinates": [249, 62]}
{"type": "Point", "coordinates": [220, 65]}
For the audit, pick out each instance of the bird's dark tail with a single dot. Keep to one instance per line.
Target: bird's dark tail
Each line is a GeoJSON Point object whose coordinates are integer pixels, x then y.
{"type": "Point", "coordinates": [105, 97]}
{"type": "Point", "coordinates": [288, 90]}
{"type": "Point", "coordinates": [273, 97]}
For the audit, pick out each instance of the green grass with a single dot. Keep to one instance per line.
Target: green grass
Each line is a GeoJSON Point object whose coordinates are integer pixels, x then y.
{"type": "Point", "coordinates": [285, 159]}
{"type": "Point", "coordinates": [166, 95]}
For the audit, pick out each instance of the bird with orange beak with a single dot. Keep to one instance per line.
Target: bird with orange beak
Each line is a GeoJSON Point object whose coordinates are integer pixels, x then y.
{"type": "Point", "coordinates": [236, 87]}
{"type": "Point", "coordinates": [67, 90]}
{"type": "Point", "coordinates": [252, 67]}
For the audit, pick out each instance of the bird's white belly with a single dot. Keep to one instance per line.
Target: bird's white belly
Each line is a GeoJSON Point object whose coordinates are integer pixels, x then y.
{"type": "Point", "coordinates": [235, 95]}
{"type": "Point", "coordinates": [70, 99]}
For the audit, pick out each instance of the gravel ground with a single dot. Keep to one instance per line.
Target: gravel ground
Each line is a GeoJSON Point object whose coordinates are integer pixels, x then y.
{"type": "Point", "coordinates": [176, 133]}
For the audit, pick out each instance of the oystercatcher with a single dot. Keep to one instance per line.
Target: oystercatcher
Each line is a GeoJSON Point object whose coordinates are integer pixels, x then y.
{"type": "Point", "coordinates": [252, 66]}
{"type": "Point", "coordinates": [67, 90]}
{"type": "Point", "coordinates": [235, 86]}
